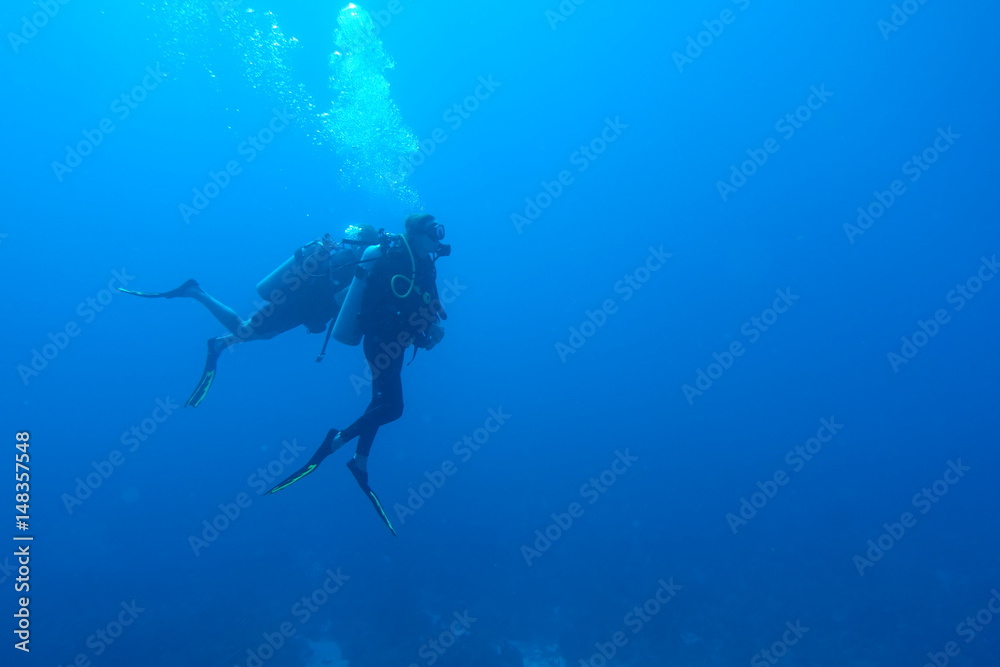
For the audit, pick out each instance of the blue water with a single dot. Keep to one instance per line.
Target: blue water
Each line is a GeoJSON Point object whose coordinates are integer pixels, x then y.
{"type": "Point", "coordinates": [722, 334]}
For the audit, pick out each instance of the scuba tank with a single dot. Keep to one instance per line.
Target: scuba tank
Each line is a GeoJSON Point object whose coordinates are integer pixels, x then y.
{"type": "Point", "coordinates": [347, 328]}
{"type": "Point", "coordinates": [309, 263]}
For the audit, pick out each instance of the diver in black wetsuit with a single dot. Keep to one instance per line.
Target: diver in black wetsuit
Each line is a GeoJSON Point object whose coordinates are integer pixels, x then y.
{"type": "Point", "coordinates": [401, 307]}
{"type": "Point", "coordinates": [397, 306]}
{"type": "Point", "coordinates": [306, 290]}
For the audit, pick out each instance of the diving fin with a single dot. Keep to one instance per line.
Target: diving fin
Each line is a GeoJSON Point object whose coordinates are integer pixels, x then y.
{"type": "Point", "coordinates": [324, 451]}
{"type": "Point", "coordinates": [207, 377]}
{"type": "Point", "coordinates": [201, 391]}
{"type": "Point", "coordinates": [362, 479]}
{"type": "Point", "coordinates": [179, 291]}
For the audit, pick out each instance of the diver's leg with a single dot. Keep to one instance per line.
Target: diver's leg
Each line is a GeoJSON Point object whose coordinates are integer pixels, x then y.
{"type": "Point", "coordinates": [386, 404]}
{"type": "Point", "coordinates": [226, 315]}
{"type": "Point", "coordinates": [389, 409]}
{"type": "Point", "coordinates": [191, 289]}
{"type": "Point", "coordinates": [268, 322]}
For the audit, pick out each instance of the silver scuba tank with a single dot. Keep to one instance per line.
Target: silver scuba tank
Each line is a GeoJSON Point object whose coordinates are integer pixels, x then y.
{"type": "Point", "coordinates": [292, 273]}
{"type": "Point", "coordinates": [347, 328]}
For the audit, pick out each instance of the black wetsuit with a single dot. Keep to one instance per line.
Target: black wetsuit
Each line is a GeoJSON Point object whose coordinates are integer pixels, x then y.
{"type": "Point", "coordinates": [391, 324]}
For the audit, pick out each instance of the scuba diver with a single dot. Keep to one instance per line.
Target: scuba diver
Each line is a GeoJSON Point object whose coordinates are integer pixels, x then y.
{"type": "Point", "coordinates": [392, 303]}
{"type": "Point", "coordinates": [307, 290]}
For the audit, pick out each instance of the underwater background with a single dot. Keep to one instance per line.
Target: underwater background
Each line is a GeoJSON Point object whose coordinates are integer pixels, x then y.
{"type": "Point", "coordinates": [719, 384]}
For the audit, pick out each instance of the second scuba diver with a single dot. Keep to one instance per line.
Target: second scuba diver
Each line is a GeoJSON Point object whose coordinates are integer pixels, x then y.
{"type": "Point", "coordinates": [306, 290]}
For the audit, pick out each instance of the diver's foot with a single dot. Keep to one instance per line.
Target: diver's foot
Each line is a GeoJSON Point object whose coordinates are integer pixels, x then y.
{"type": "Point", "coordinates": [325, 449]}
{"type": "Point", "coordinates": [216, 346]}
{"type": "Point", "coordinates": [189, 288]}
{"type": "Point", "coordinates": [361, 476]}
{"type": "Point", "coordinates": [331, 443]}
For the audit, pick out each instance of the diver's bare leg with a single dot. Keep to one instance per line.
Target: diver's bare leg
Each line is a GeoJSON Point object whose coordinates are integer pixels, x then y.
{"type": "Point", "coordinates": [226, 315]}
